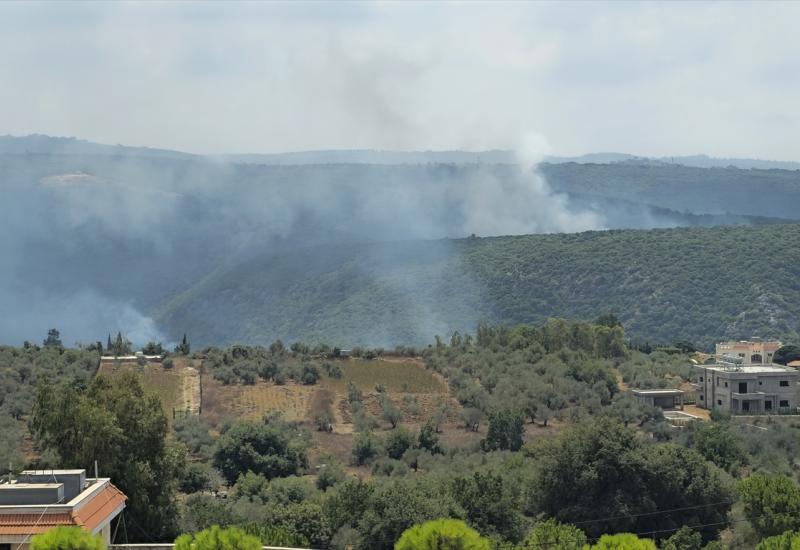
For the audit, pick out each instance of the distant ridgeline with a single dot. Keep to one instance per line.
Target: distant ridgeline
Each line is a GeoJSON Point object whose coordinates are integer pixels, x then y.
{"type": "Point", "coordinates": [697, 285]}
{"type": "Point", "coordinates": [252, 248]}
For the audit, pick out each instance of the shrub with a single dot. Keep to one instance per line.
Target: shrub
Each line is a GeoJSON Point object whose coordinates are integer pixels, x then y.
{"type": "Point", "coordinates": [398, 442]}
{"type": "Point", "coordinates": [275, 536]}
{"type": "Point", "coordinates": [623, 541]}
{"type": "Point", "coordinates": [683, 539]}
{"type": "Point", "coordinates": [309, 375]}
{"type": "Point", "coordinates": [786, 541]}
{"type": "Point", "coordinates": [442, 534]}
{"type": "Point", "coordinates": [365, 448]}
{"type": "Point", "coordinates": [195, 478]}
{"type": "Point", "coordinates": [551, 533]}
{"type": "Point", "coordinates": [67, 538]}
{"type": "Point", "coordinates": [217, 538]}
{"type": "Point", "coordinates": [262, 449]}
{"type": "Point", "coordinates": [330, 474]}
{"type": "Point", "coordinates": [324, 422]}
{"type": "Point", "coordinates": [771, 503]}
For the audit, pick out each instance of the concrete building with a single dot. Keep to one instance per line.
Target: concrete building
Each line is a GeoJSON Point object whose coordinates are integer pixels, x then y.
{"type": "Point", "coordinates": [751, 352]}
{"type": "Point", "coordinates": [745, 389]}
{"type": "Point", "coordinates": [667, 399]}
{"type": "Point", "coordinates": [39, 500]}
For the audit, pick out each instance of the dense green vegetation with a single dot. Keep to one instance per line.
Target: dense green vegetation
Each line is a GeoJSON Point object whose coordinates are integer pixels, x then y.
{"type": "Point", "coordinates": [694, 285]}
{"type": "Point", "coordinates": [564, 457]}
{"type": "Point", "coordinates": [114, 422]}
{"type": "Point", "coordinates": [24, 369]}
{"type": "Point", "coordinates": [67, 538]}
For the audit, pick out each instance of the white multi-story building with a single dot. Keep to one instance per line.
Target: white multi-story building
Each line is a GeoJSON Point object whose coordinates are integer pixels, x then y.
{"type": "Point", "coordinates": [743, 388]}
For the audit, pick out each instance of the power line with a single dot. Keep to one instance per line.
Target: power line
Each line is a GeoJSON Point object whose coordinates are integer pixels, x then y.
{"type": "Point", "coordinates": [654, 513]}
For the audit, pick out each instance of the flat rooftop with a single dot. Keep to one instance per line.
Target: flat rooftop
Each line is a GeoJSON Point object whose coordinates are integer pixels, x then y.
{"type": "Point", "coordinates": [16, 485]}
{"type": "Point", "coordinates": [751, 369]}
{"type": "Point", "coordinates": [666, 391]}
{"type": "Point", "coordinates": [76, 471]}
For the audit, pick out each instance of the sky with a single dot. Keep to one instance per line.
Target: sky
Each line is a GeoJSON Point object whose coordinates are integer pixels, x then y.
{"type": "Point", "coordinates": [654, 79]}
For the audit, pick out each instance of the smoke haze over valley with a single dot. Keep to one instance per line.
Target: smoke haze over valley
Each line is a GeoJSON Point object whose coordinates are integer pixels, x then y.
{"type": "Point", "coordinates": [104, 239]}
{"type": "Point", "coordinates": [314, 128]}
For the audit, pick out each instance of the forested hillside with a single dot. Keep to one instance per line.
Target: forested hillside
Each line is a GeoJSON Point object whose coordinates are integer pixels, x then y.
{"type": "Point", "coordinates": [139, 240]}
{"type": "Point", "coordinates": [683, 188]}
{"type": "Point", "coordinates": [694, 284]}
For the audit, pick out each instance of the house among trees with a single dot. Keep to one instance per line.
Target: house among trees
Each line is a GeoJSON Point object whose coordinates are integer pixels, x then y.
{"type": "Point", "coordinates": [751, 352]}
{"type": "Point", "coordinates": [666, 399]}
{"type": "Point", "coordinates": [747, 388]}
{"type": "Point", "coordinates": [39, 500]}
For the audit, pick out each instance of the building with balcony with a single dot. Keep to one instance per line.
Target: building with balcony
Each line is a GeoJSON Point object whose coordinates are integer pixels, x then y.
{"type": "Point", "coordinates": [747, 389]}
{"type": "Point", "coordinates": [38, 500]}
{"type": "Point", "coordinates": [751, 352]}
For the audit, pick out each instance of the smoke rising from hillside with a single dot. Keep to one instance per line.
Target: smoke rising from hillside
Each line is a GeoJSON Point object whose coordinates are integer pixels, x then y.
{"type": "Point", "coordinates": [97, 244]}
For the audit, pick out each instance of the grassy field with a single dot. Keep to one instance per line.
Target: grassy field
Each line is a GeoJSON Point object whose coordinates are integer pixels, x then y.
{"type": "Point", "coordinates": [398, 375]}
{"type": "Point", "coordinates": [166, 383]}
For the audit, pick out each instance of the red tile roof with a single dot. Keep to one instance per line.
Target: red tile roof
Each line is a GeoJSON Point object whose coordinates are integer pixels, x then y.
{"type": "Point", "coordinates": [31, 524]}
{"type": "Point", "coordinates": [89, 516]}
{"type": "Point", "coordinates": [97, 511]}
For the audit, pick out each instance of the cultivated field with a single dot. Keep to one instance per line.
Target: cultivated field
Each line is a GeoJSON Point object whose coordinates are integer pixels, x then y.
{"type": "Point", "coordinates": [414, 389]}
{"type": "Point", "coordinates": [178, 387]}
{"type": "Point", "coordinates": [238, 401]}
{"type": "Point", "coordinates": [406, 375]}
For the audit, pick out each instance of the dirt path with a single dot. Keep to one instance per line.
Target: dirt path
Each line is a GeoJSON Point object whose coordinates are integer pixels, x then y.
{"type": "Point", "coordinates": [190, 391]}
{"type": "Point", "coordinates": [620, 382]}
{"type": "Point", "coordinates": [339, 424]}
{"type": "Point", "coordinates": [697, 411]}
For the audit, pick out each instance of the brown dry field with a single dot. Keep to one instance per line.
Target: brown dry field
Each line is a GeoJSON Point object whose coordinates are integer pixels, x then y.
{"type": "Point", "coordinates": [403, 378]}
{"type": "Point", "coordinates": [237, 401]}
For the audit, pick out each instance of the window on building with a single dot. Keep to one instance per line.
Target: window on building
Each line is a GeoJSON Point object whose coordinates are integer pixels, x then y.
{"type": "Point", "coordinates": [719, 401]}
{"type": "Point", "coordinates": [742, 387]}
{"type": "Point", "coordinates": [767, 405]}
{"type": "Point", "coordinates": [784, 383]}
{"type": "Point", "coordinates": [760, 382]}
{"type": "Point", "coordinates": [701, 378]}
{"type": "Point", "coordinates": [701, 397]}
{"type": "Point", "coordinates": [784, 403]}
{"type": "Point", "coordinates": [726, 384]}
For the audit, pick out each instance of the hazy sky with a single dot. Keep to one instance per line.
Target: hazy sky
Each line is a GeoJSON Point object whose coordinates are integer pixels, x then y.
{"type": "Point", "coordinates": [651, 79]}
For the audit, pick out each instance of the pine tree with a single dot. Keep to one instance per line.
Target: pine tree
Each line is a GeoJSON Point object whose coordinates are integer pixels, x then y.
{"type": "Point", "coordinates": [53, 339]}
{"type": "Point", "coordinates": [184, 347]}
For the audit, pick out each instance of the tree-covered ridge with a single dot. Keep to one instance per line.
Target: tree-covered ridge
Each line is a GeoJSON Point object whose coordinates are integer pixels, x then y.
{"type": "Point", "coordinates": [690, 284]}
{"type": "Point", "coordinates": [684, 188]}
{"type": "Point", "coordinates": [561, 370]}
